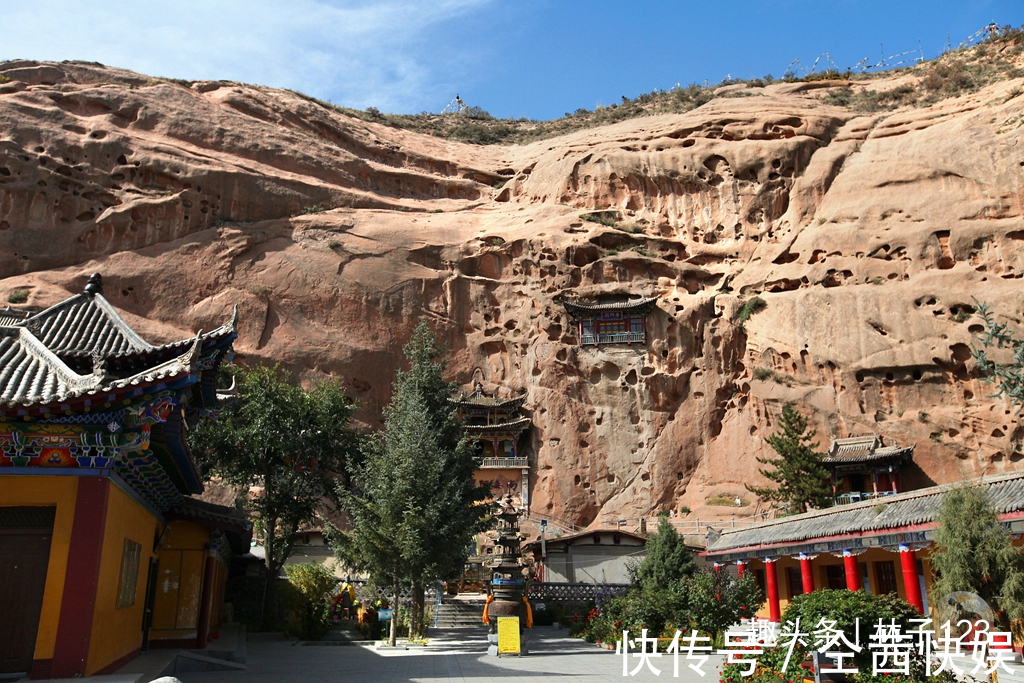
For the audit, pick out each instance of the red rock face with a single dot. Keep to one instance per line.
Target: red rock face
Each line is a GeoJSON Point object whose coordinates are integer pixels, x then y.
{"type": "Point", "coordinates": [868, 237]}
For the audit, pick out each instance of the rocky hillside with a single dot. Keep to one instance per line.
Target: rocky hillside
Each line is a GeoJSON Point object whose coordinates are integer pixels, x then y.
{"type": "Point", "coordinates": [866, 220]}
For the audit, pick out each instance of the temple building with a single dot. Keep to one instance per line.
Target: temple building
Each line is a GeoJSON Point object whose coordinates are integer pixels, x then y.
{"type": "Point", "coordinates": [880, 546]}
{"type": "Point", "coordinates": [863, 467]}
{"type": "Point", "coordinates": [495, 426]}
{"type": "Point", "coordinates": [610, 319]}
{"type": "Point", "coordinates": [103, 552]}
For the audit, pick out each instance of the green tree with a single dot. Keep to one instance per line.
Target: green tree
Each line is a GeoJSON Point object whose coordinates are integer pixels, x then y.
{"type": "Point", "coordinates": [1008, 377]}
{"type": "Point", "coordinates": [284, 448]}
{"type": "Point", "coordinates": [667, 560]}
{"type": "Point", "coordinates": [802, 480]}
{"type": "Point", "coordinates": [974, 552]}
{"type": "Point", "coordinates": [312, 586]}
{"type": "Point", "coordinates": [715, 600]}
{"type": "Point", "coordinates": [415, 507]}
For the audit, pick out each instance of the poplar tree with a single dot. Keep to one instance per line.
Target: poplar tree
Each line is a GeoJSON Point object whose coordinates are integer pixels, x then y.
{"type": "Point", "coordinates": [974, 552]}
{"type": "Point", "coordinates": [415, 507]}
{"type": "Point", "coordinates": [802, 480]}
{"type": "Point", "coordinates": [1008, 377]}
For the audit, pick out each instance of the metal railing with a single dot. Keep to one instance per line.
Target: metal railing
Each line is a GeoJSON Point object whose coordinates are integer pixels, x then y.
{"type": "Point", "coordinates": [613, 338]}
{"type": "Point", "coordinates": [858, 496]}
{"type": "Point", "coordinates": [486, 463]}
{"type": "Point", "coordinates": [551, 591]}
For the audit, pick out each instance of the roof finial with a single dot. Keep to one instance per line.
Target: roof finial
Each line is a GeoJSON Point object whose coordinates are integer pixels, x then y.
{"type": "Point", "coordinates": [94, 285]}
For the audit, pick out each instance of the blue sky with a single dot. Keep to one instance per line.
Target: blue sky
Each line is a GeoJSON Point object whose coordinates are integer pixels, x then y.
{"type": "Point", "coordinates": [531, 58]}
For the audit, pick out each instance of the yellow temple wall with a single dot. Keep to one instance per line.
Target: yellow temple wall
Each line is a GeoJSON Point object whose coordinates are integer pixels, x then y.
{"type": "Point", "coordinates": [117, 631]}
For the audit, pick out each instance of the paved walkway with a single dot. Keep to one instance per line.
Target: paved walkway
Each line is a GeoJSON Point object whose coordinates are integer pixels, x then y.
{"type": "Point", "coordinates": [453, 655]}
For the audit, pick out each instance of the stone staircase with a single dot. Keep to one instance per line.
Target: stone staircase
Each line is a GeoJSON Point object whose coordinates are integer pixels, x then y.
{"type": "Point", "coordinates": [460, 613]}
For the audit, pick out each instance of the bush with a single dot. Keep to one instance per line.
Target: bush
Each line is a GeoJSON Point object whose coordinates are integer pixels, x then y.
{"type": "Point", "coordinates": [749, 308]}
{"type": "Point", "coordinates": [18, 296]}
{"type": "Point", "coordinates": [308, 596]}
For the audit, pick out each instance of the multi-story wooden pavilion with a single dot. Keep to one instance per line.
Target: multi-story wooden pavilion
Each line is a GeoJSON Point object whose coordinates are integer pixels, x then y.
{"type": "Point", "coordinates": [880, 545]}
{"type": "Point", "coordinates": [101, 548]}
{"type": "Point", "coordinates": [495, 426]}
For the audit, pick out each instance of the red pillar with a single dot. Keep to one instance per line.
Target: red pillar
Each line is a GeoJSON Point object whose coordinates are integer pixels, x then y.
{"type": "Point", "coordinates": [74, 629]}
{"type": "Point", "coordinates": [741, 566]}
{"type": "Point", "coordinates": [206, 603]}
{"type": "Point", "coordinates": [806, 573]}
{"type": "Point", "coordinates": [908, 560]}
{"type": "Point", "coordinates": [771, 582]}
{"type": "Point", "coordinates": [852, 571]}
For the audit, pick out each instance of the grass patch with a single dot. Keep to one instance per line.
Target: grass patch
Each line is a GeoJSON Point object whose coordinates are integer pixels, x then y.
{"type": "Point", "coordinates": [725, 501]}
{"type": "Point", "coordinates": [749, 308]}
{"type": "Point", "coordinates": [922, 416]}
{"type": "Point", "coordinates": [608, 218]}
{"type": "Point", "coordinates": [18, 296]}
{"type": "Point", "coordinates": [880, 416]}
{"type": "Point", "coordinates": [935, 436]}
{"type": "Point", "coordinates": [631, 228]}
{"type": "Point", "coordinates": [258, 290]}
{"type": "Point", "coordinates": [333, 244]}
{"type": "Point", "coordinates": [494, 240]}
{"type": "Point", "coordinates": [309, 210]}
{"type": "Point", "coordinates": [879, 508]}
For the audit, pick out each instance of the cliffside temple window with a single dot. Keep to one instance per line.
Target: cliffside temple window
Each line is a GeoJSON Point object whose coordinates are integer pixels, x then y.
{"type": "Point", "coordinates": [611, 319]}
{"type": "Point", "coordinates": [863, 467]}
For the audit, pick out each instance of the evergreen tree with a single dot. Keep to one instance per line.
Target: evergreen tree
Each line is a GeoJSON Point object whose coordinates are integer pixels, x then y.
{"type": "Point", "coordinates": [283, 448]}
{"type": "Point", "coordinates": [1008, 377]}
{"type": "Point", "coordinates": [974, 552]}
{"type": "Point", "coordinates": [803, 481]}
{"type": "Point", "coordinates": [415, 507]}
{"type": "Point", "coordinates": [667, 560]}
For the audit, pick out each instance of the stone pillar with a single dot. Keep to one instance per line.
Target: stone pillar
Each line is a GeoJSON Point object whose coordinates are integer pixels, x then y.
{"type": "Point", "coordinates": [908, 560]}
{"type": "Point", "coordinates": [807, 573]}
{"type": "Point", "coordinates": [772, 584]}
{"type": "Point", "coordinates": [852, 571]}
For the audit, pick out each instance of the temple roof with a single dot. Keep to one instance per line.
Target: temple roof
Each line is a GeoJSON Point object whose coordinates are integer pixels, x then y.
{"type": "Point", "coordinates": [479, 399]}
{"type": "Point", "coordinates": [577, 307]}
{"type": "Point", "coordinates": [71, 349]}
{"type": "Point", "coordinates": [32, 374]}
{"type": "Point", "coordinates": [1005, 493]}
{"type": "Point", "coordinates": [858, 449]}
{"type": "Point", "coordinates": [11, 316]}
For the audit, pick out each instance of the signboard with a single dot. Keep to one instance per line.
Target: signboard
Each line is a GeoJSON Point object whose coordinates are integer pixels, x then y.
{"type": "Point", "coordinates": [508, 635]}
{"type": "Point", "coordinates": [383, 615]}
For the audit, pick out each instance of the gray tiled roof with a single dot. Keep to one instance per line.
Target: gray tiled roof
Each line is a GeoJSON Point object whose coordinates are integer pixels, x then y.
{"type": "Point", "coordinates": [12, 316]}
{"type": "Point", "coordinates": [575, 306]}
{"type": "Point", "coordinates": [857, 449]}
{"type": "Point", "coordinates": [31, 374]}
{"type": "Point", "coordinates": [1006, 492]}
{"type": "Point", "coordinates": [85, 325]}
{"type": "Point", "coordinates": [45, 358]}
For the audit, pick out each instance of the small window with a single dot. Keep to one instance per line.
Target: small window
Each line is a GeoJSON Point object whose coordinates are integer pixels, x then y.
{"type": "Point", "coordinates": [128, 584]}
{"type": "Point", "coordinates": [835, 576]}
{"type": "Point", "coordinates": [885, 573]}
{"type": "Point", "coordinates": [795, 581]}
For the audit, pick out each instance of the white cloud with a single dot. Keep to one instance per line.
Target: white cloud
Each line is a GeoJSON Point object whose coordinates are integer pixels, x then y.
{"type": "Point", "coordinates": [384, 54]}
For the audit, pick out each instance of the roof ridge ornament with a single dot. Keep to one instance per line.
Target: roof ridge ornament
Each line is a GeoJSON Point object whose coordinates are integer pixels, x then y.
{"type": "Point", "coordinates": [99, 366]}
{"type": "Point", "coordinates": [94, 285]}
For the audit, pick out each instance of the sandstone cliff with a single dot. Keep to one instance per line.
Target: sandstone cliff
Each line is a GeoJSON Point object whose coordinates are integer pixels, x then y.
{"type": "Point", "coordinates": [867, 235]}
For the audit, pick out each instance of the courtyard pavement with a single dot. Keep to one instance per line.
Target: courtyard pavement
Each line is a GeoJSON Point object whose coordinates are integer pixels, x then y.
{"type": "Point", "coordinates": [457, 654]}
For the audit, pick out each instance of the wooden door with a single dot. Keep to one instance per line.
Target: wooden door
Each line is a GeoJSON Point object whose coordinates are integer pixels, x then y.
{"type": "Point", "coordinates": [25, 535]}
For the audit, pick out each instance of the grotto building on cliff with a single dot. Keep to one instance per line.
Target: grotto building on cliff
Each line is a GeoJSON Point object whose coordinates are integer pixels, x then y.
{"type": "Point", "coordinates": [610, 319]}
{"type": "Point", "coordinates": [103, 549]}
